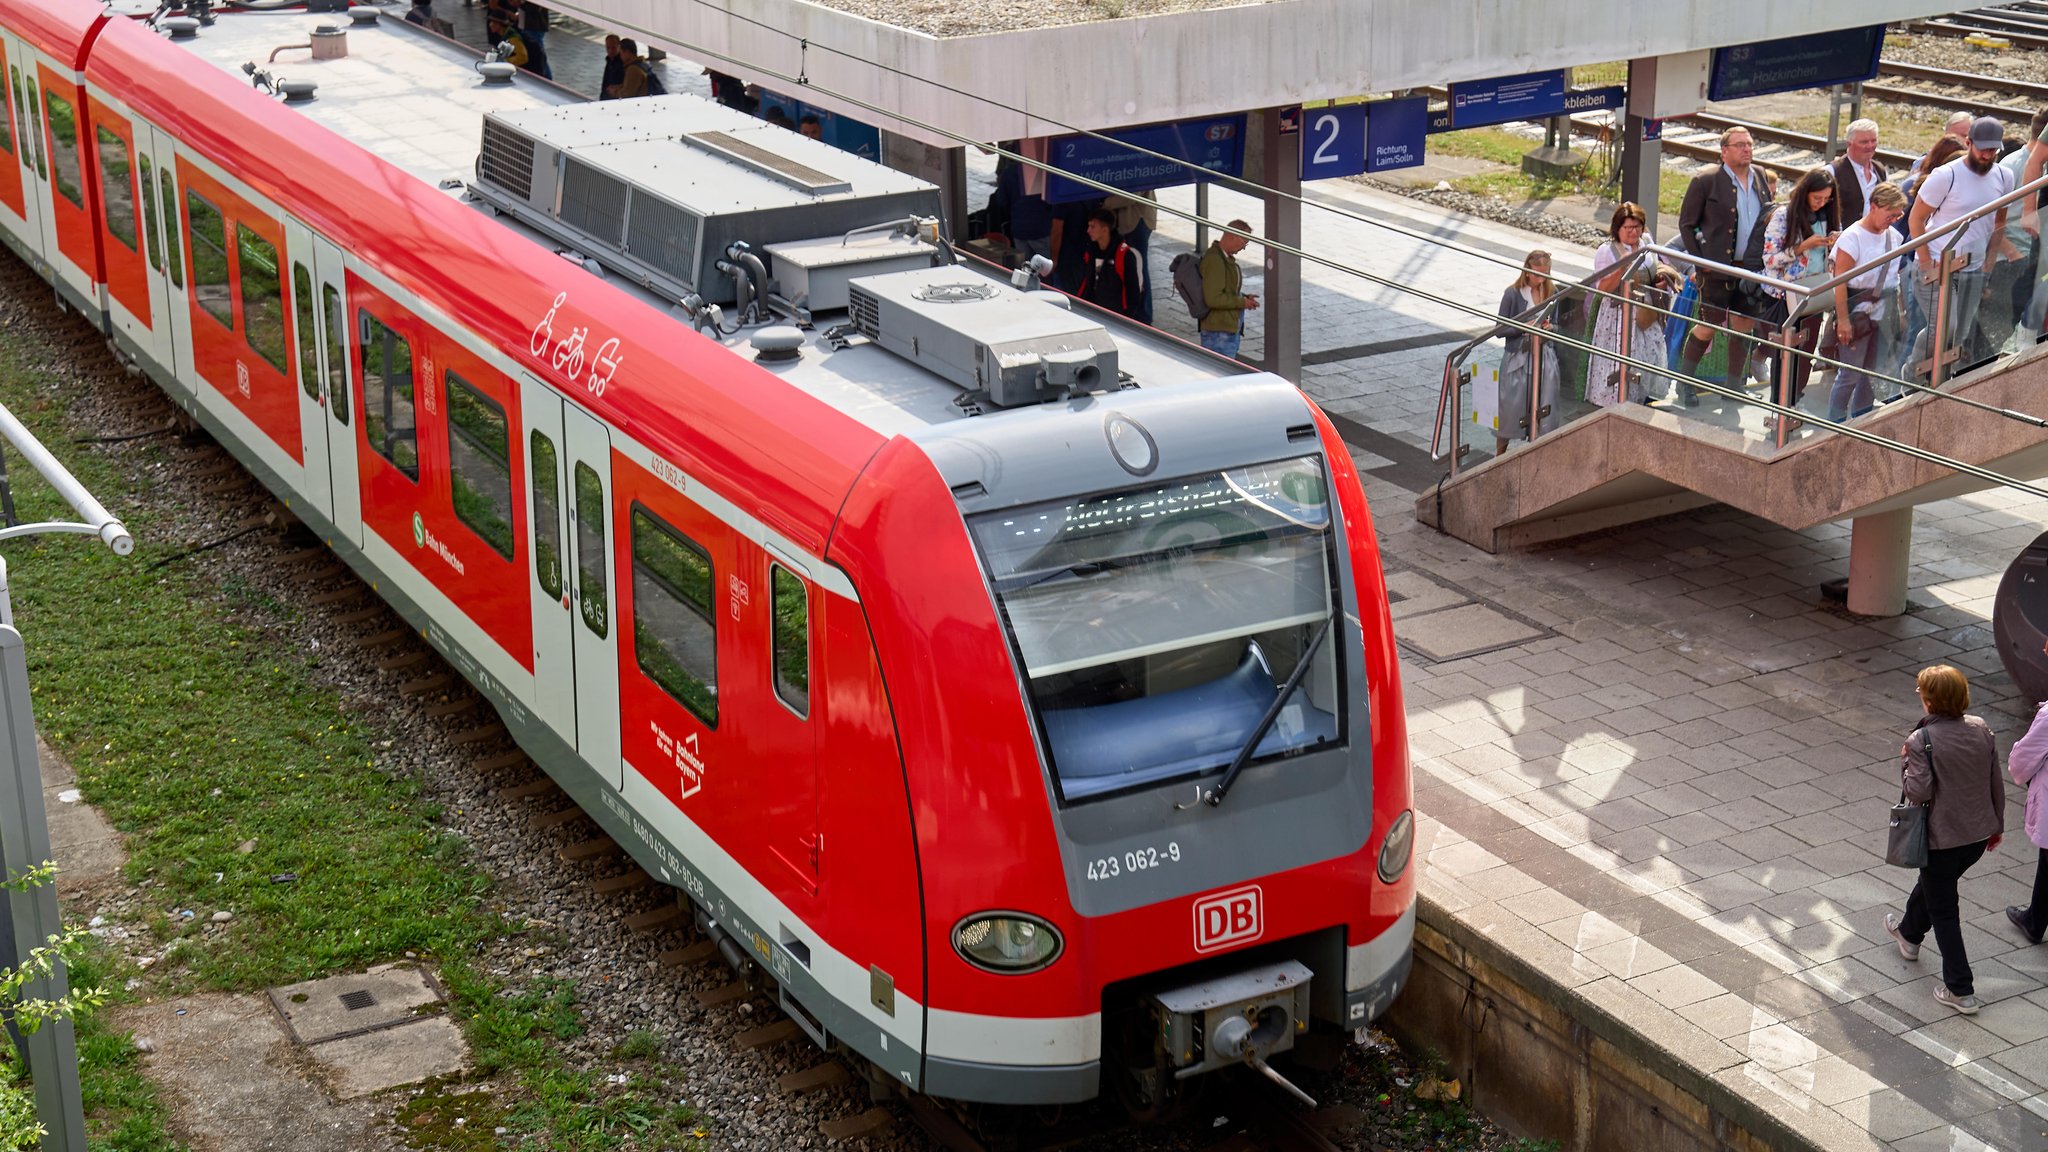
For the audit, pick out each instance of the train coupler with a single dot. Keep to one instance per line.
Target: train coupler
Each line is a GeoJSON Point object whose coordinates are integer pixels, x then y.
{"type": "Point", "coordinates": [1242, 1018]}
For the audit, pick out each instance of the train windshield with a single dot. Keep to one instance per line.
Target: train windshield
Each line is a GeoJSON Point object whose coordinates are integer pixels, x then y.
{"type": "Point", "coordinates": [1158, 625]}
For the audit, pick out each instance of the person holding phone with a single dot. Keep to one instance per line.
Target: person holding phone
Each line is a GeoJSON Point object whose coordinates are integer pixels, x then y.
{"type": "Point", "coordinates": [1796, 245]}
{"type": "Point", "coordinates": [1948, 194]}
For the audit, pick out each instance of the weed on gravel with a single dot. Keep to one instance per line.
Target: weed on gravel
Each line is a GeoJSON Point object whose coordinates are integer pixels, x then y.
{"type": "Point", "coordinates": [194, 720]}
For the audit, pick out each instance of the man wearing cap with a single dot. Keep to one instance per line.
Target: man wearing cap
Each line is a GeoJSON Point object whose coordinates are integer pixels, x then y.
{"type": "Point", "coordinates": [1948, 194]}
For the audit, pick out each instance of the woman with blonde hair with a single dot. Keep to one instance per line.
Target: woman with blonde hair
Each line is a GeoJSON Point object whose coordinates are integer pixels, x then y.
{"type": "Point", "coordinates": [1950, 765]}
{"type": "Point", "coordinates": [1529, 299]}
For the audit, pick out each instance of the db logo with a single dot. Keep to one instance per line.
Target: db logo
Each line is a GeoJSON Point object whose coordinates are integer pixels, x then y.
{"type": "Point", "coordinates": [1226, 918]}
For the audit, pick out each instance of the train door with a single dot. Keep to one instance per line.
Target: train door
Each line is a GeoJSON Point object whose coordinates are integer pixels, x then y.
{"type": "Point", "coordinates": [166, 308]}
{"type": "Point", "coordinates": [13, 208]}
{"type": "Point", "coordinates": [31, 152]}
{"type": "Point", "coordinates": [593, 579]}
{"type": "Point", "coordinates": [310, 375]}
{"type": "Point", "coordinates": [338, 434]}
{"type": "Point", "coordinates": [547, 512]}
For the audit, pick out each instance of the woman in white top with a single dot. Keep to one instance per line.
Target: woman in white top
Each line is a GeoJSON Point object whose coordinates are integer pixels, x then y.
{"type": "Point", "coordinates": [1860, 304]}
{"type": "Point", "coordinates": [1608, 381]}
{"type": "Point", "coordinates": [1531, 289]}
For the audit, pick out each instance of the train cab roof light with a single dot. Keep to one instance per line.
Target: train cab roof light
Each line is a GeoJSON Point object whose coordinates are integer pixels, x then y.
{"type": "Point", "coordinates": [297, 91]}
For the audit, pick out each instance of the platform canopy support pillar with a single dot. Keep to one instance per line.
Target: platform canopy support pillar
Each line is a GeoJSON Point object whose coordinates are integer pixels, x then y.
{"type": "Point", "coordinates": [1880, 555]}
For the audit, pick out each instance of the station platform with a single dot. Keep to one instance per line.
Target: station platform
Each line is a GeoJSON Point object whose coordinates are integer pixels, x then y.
{"type": "Point", "coordinates": [1651, 767]}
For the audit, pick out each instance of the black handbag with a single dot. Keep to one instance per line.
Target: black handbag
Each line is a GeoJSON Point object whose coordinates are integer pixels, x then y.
{"type": "Point", "coordinates": [1906, 845]}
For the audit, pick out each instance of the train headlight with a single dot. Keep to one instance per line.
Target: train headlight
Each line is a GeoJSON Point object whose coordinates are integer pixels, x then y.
{"type": "Point", "coordinates": [1400, 843]}
{"type": "Point", "coordinates": [1006, 942]}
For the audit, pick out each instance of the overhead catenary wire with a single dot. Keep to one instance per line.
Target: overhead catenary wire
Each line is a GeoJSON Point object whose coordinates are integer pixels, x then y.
{"type": "Point", "coordinates": [706, 52]}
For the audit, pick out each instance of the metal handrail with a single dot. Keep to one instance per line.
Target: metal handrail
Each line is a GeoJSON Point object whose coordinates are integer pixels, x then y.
{"type": "Point", "coordinates": [1522, 322]}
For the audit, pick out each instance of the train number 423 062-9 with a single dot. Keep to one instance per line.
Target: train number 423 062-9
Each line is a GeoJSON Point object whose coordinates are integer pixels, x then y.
{"type": "Point", "coordinates": [1137, 860]}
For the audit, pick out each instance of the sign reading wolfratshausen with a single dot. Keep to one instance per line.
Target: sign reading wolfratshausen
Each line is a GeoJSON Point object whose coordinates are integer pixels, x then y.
{"type": "Point", "coordinates": [1215, 145]}
{"type": "Point", "coordinates": [1394, 132]}
{"type": "Point", "coordinates": [1818, 61]}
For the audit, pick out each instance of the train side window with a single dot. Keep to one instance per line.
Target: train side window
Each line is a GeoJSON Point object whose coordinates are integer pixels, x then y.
{"type": "Point", "coordinates": [337, 367]}
{"type": "Point", "coordinates": [675, 637]}
{"type": "Point", "coordinates": [174, 254]}
{"type": "Point", "coordinates": [590, 550]}
{"type": "Point", "coordinates": [30, 126]}
{"type": "Point", "coordinates": [7, 122]}
{"type": "Point", "coordinates": [64, 145]}
{"type": "Point", "coordinates": [480, 464]}
{"type": "Point", "coordinates": [28, 144]}
{"type": "Point", "coordinates": [547, 502]}
{"type": "Point", "coordinates": [149, 217]}
{"type": "Point", "coordinates": [302, 330]}
{"type": "Point", "coordinates": [262, 296]}
{"type": "Point", "coordinates": [791, 640]}
{"type": "Point", "coordinates": [210, 258]}
{"type": "Point", "coordinates": [117, 186]}
{"type": "Point", "coordinates": [388, 419]}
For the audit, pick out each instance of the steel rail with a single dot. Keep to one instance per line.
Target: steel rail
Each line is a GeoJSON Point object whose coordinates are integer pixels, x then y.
{"type": "Point", "coordinates": [1946, 27]}
{"type": "Point", "coordinates": [1970, 81]}
{"type": "Point", "coordinates": [1896, 95]}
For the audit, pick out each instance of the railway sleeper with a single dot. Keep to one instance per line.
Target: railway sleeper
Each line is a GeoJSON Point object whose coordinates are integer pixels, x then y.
{"type": "Point", "coordinates": [830, 1074]}
{"type": "Point", "coordinates": [477, 735]}
{"type": "Point", "coordinates": [592, 849]}
{"type": "Point", "coordinates": [515, 792]}
{"type": "Point", "coordinates": [501, 760]}
{"type": "Point", "coordinates": [384, 639]}
{"type": "Point", "coordinates": [433, 683]}
{"type": "Point", "coordinates": [455, 707]}
{"type": "Point", "coordinates": [404, 660]}
{"type": "Point", "coordinates": [689, 956]}
{"type": "Point", "coordinates": [630, 881]}
{"type": "Point", "coordinates": [556, 819]}
{"type": "Point", "coordinates": [769, 1035]}
{"type": "Point", "coordinates": [655, 919]}
{"type": "Point", "coordinates": [361, 615]}
{"type": "Point", "coordinates": [853, 1127]}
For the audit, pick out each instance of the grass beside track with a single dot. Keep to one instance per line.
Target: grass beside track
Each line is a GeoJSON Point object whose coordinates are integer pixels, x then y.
{"type": "Point", "coordinates": [197, 724]}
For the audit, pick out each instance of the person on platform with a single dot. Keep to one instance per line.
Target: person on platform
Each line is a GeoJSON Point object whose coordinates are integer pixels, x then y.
{"type": "Point", "coordinates": [1722, 219]}
{"type": "Point", "coordinates": [1137, 217]}
{"type": "Point", "coordinates": [2027, 764]}
{"type": "Point", "coordinates": [1865, 307]}
{"type": "Point", "coordinates": [1608, 381]}
{"type": "Point", "coordinates": [422, 14]}
{"type": "Point", "coordinates": [1946, 195]}
{"type": "Point", "coordinates": [503, 34]}
{"type": "Point", "coordinates": [1111, 275]}
{"type": "Point", "coordinates": [640, 79]}
{"type": "Point", "coordinates": [1222, 330]}
{"type": "Point", "coordinates": [614, 70]}
{"type": "Point", "coordinates": [731, 91]}
{"type": "Point", "coordinates": [780, 119]}
{"type": "Point", "coordinates": [1858, 170]}
{"type": "Point", "coordinates": [1796, 244]}
{"type": "Point", "coordinates": [1528, 299]}
{"type": "Point", "coordinates": [1951, 762]}
{"type": "Point", "coordinates": [810, 128]}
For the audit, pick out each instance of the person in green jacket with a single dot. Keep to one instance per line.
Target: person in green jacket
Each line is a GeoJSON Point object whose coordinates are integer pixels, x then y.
{"type": "Point", "coordinates": [1222, 330]}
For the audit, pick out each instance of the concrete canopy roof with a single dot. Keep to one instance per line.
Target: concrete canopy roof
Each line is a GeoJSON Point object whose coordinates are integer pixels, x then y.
{"type": "Point", "coordinates": [1088, 64]}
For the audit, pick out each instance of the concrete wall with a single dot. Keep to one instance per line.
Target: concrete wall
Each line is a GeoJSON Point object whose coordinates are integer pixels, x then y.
{"type": "Point", "coordinates": [1143, 69]}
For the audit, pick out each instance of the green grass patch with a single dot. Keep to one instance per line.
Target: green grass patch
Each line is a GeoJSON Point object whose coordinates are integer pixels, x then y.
{"type": "Point", "coordinates": [1600, 75]}
{"type": "Point", "coordinates": [195, 720]}
{"type": "Point", "coordinates": [1494, 144]}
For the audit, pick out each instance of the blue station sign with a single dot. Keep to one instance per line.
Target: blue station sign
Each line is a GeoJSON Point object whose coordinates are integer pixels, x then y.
{"type": "Point", "coordinates": [1334, 144]}
{"type": "Point", "coordinates": [1569, 100]}
{"type": "Point", "coordinates": [842, 132]}
{"type": "Point", "coordinates": [1818, 61]}
{"type": "Point", "coordinates": [1214, 145]}
{"type": "Point", "coordinates": [1530, 96]}
{"type": "Point", "coordinates": [1394, 132]}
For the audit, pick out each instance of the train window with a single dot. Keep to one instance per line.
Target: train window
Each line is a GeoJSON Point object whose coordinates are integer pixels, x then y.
{"type": "Point", "coordinates": [337, 367]}
{"type": "Point", "coordinates": [64, 145]}
{"type": "Point", "coordinates": [262, 296]}
{"type": "Point", "coordinates": [792, 639]}
{"type": "Point", "coordinates": [174, 253]}
{"type": "Point", "coordinates": [29, 125]}
{"type": "Point", "coordinates": [7, 122]}
{"type": "Point", "coordinates": [1223, 591]}
{"type": "Point", "coordinates": [117, 186]}
{"type": "Point", "coordinates": [210, 259]}
{"type": "Point", "coordinates": [388, 419]}
{"type": "Point", "coordinates": [28, 144]}
{"type": "Point", "coordinates": [302, 330]}
{"type": "Point", "coordinates": [547, 502]}
{"type": "Point", "coordinates": [149, 217]}
{"type": "Point", "coordinates": [480, 464]}
{"type": "Point", "coordinates": [675, 638]}
{"type": "Point", "coordinates": [590, 550]}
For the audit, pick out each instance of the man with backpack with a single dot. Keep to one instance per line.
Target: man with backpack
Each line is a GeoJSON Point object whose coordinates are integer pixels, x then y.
{"type": "Point", "coordinates": [1111, 276]}
{"type": "Point", "coordinates": [1213, 290]}
{"type": "Point", "coordinates": [640, 79]}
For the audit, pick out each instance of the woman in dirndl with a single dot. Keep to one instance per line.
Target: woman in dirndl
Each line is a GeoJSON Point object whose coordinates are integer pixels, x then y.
{"type": "Point", "coordinates": [1529, 299]}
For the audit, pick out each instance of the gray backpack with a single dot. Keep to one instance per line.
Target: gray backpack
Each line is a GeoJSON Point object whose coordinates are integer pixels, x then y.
{"type": "Point", "coordinates": [1186, 270]}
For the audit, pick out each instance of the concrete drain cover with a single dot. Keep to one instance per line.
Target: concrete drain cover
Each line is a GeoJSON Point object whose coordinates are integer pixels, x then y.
{"type": "Point", "coordinates": [321, 1010]}
{"type": "Point", "coordinates": [366, 1031]}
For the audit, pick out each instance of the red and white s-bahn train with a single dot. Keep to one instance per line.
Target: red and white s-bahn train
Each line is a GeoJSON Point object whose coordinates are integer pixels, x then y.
{"type": "Point", "coordinates": [1011, 684]}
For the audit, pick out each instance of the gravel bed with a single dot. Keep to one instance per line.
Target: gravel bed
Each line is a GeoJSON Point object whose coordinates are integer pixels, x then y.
{"type": "Point", "coordinates": [1951, 53]}
{"type": "Point", "coordinates": [1496, 208]}
{"type": "Point", "coordinates": [562, 930]}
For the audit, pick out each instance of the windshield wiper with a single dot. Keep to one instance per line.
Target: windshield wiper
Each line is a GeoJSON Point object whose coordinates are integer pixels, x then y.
{"type": "Point", "coordinates": [1244, 755]}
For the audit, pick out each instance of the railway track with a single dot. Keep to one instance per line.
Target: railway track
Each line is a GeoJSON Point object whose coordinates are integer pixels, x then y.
{"type": "Point", "coordinates": [2036, 94]}
{"type": "Point", "coordinates": [2019, 34]}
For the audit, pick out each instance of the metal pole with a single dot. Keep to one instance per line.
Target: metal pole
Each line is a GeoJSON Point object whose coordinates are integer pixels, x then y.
{"type": "Point", "coordinates": [52, 1052]}
{"type": "Point", "coordinates": [1784, 387]}
{"type": "Point", "coordinates": [1202, 225]}
{"type": "Point", "coordinates": [1628, 327]}
{"type": "Point", "coordinates": [1856, 100]}
{"type": "Point", "coordinates": [1938, 344]}
{"type": "Point", "coordinates": [1834, 123]}
{"type": "Point", "coordinates": [60, 478]}
{"type": "Point", "coordinates": [1535, 385]}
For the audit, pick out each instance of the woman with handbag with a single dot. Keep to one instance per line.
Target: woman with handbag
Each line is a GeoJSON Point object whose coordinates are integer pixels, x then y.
{"type": "Point", "coordinates": [1796, 244]}
{"type": "Point", "coordinates": [1608, 381]}
{"type": "Point", "coordinates": [2026, 762]}
{"type": "Point", "coordinates": [1950, 768]}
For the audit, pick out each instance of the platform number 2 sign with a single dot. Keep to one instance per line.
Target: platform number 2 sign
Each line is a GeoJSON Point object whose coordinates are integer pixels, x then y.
{"type": "Point", "coordinates": [1334, 142]}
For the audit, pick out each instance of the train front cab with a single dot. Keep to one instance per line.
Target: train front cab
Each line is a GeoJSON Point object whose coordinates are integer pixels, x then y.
{"type": "Point", "coordinates": [1108, 616]}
